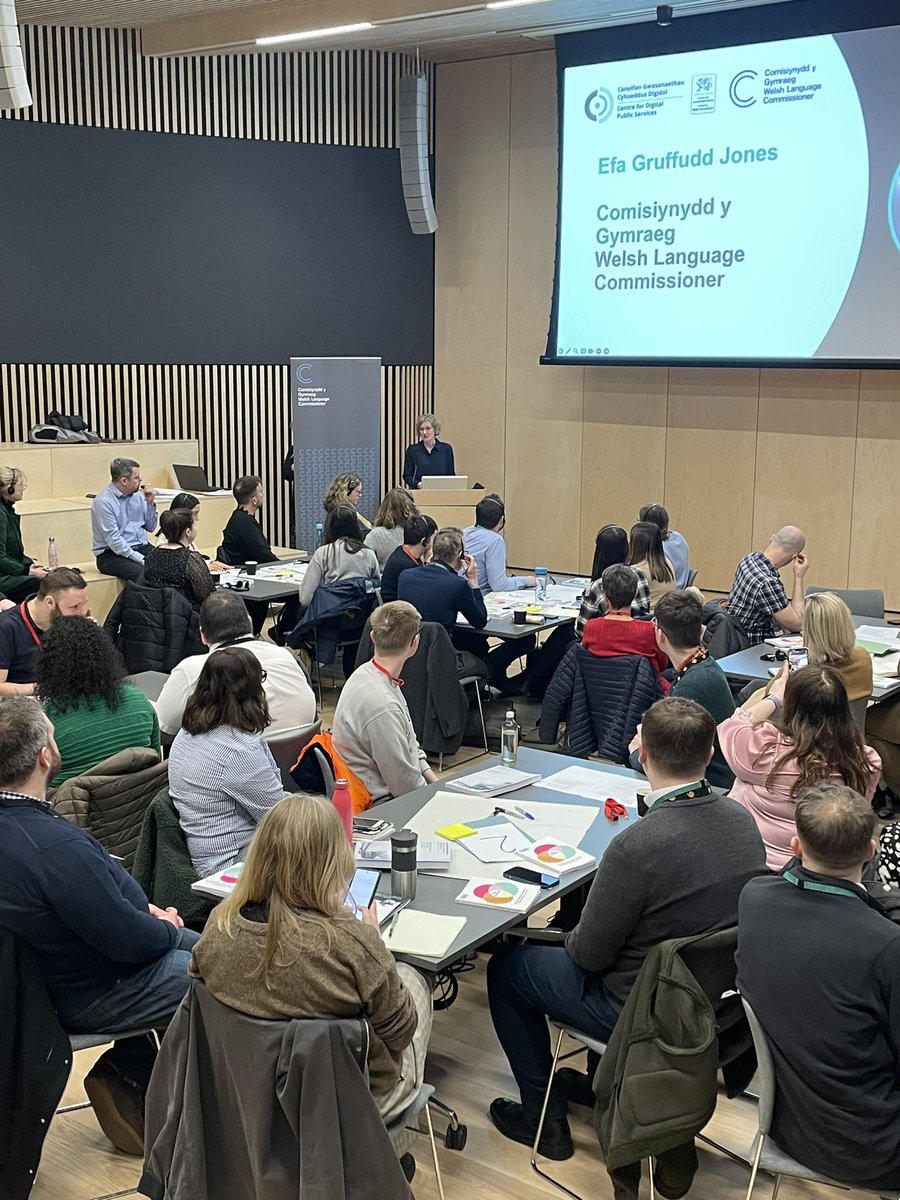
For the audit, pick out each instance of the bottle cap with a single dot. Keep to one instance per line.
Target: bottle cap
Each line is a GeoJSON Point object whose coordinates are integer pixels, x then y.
{"type": "Point", "coordinates": [511, 713]}
{"type": "Point", "coordinates": [540, 570]}
{"type": "Point", "coordinates": [342, 783]}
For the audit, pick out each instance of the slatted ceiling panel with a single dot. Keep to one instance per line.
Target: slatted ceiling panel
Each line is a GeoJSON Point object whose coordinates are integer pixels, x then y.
{"type": "Point", "coordinates": [240, 415]}
{"type": "Point", "coordinates": [98, 77]}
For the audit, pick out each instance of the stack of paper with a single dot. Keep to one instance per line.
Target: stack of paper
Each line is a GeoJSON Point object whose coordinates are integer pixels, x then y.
{"type": "Point", "coordinates": [500, 894]}
{"type": "Point", "coordinates": [431, 854]}
{"type": "Point", "coordinates": [494, 781]}
{"type": "Point", "coordinates": [556, 858]}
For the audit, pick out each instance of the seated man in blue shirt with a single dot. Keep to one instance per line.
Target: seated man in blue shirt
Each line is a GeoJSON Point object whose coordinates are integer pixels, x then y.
{"type": "Point", "coordinates": [484, 541]}
{"type": "Point", "coordinates": [111, 961]}
{"type": "Point", "coordinates": [121, 517]}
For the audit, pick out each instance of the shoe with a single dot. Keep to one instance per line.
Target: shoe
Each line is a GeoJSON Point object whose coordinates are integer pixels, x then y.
{"type": "Point", "coordinates": [514, 1123]}
{"type": "Point", "coordinates": [509, 687]}
{"type": "Point", "coordinates": [577, 1086]}
{"type": "Point", "coordinates": [118, 1107]}
{"type": "Point", "coordinates": [408, 1165]}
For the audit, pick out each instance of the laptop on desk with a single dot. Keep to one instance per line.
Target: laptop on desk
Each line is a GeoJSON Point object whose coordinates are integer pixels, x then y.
{"type": "Point", "coordinates": [446, 482]}
{"type": "Point", "coordinates": [193, 479]}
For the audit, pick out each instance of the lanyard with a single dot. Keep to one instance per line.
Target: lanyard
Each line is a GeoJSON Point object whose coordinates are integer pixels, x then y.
{"type": "Point", "coordinates": [692, 791]}
{"type": "Point", "coordinates": [417, 561]}
{"type": "Point", "coordinates": [29, 624]}
{"type": "Point", "coordinates": [378, 667]}
{"type": "Point", "coordinates": [812, 885]}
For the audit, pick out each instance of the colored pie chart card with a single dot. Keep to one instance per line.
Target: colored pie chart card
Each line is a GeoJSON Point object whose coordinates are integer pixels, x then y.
{"type": "Point", "coordinates": [504, 895]}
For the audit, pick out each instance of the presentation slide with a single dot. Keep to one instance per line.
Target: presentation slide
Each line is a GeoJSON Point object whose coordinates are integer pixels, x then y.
{"type": "Point", "coordinates": [740, 203]}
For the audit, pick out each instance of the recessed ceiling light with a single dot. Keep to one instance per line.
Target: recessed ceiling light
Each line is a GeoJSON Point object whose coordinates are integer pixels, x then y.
{"type": "Point", "coordinates": [511, 3]}
{"type": "Point", "coordinates": [335, 31]}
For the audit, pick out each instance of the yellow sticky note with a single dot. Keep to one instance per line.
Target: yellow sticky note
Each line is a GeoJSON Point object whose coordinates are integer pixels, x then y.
{"type": "Point", "coordinates": [454, 833]}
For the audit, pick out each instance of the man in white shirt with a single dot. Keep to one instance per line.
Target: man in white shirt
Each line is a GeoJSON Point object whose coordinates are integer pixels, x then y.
{"type": "Point", "coordinates": [373, 731]}
{"type": "Point", "coordinates": [224, 621]}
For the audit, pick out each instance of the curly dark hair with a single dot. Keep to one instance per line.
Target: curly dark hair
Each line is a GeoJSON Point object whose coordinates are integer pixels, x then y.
{"type": "Point", "coordinates": [76, 662]}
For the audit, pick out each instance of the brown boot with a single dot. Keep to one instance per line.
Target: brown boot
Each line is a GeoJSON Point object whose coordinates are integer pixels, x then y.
{"type": "Point", "coordinates": [118, 1106]}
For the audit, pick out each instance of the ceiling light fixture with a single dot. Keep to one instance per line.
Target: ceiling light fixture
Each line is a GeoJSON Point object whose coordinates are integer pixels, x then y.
{"type": "Point", "coordinates": [336, 31]}
{"type": "Point", "coordinates": [664, 14]}
{"type": "Point", "coordinates": [511, 3]}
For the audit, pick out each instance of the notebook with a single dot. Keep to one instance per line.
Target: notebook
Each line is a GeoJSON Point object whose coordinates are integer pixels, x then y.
{"type": "Point", "coordinates": [494, 781]}
{"type": "Point", "coordinates": [427, 935]}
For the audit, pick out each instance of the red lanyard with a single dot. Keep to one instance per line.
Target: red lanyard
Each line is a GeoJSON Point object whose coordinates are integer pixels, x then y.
{"type": "Point", "coordinates": [29, 625]}
{"type": "Point", "coordinates": [378, 667]}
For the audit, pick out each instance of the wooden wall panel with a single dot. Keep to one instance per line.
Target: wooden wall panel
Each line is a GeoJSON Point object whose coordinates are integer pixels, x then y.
{"type": "Point", "coordinates": [544, 407]}
{"type": "Point", "coordinates": [805, 464]}
{"type": "Point", "coordinates": [624, 454]}
{"type": "Point", "coordinates": [874, 558]}
{"type": "Point", "coordinates": [472, 190]}
{"type": "Point", "coordinates": [711, 466]}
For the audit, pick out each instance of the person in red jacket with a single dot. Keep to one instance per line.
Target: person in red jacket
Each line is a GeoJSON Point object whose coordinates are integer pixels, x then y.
{"type": "Point", "coordinates": [619, 633]}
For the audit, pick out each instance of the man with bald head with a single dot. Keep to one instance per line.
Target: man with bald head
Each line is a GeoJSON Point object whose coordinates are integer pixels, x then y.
{"type": "Point", "coordinates": [758, 601]}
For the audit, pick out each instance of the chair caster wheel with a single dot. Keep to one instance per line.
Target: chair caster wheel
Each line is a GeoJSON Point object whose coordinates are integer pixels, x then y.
{"type": "Point", "coordinates": [455, 1139]}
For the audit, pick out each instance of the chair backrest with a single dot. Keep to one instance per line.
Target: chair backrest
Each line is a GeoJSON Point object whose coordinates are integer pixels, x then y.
{"type": "Point", "coordinates": [765, 1070]}
{"type": "Point", "coordinates": [863, 602]}
{"type": "Point", "coordinates": [691, 576]}
{"type": "Point", "coordinates": [325, 766]}
{"type": "Point", "coordinates": [286, 750]}
{"type": "Point", "coordinates": [858, 713]}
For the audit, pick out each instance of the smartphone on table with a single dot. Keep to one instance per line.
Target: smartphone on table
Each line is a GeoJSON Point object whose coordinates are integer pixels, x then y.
{"type": "Point", "coordinates": [798, 656]}
{"type": "Point", "coordinates": [363, 887]}
{"type": "Point", "coordinates": [526, 875]}
{"type": "Point", "coordinates": [371, 826]}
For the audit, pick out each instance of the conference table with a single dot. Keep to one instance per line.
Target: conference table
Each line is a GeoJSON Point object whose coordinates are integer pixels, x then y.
{"type": "Point", "coordinates": [436, 893]}
{"type": "Point", "coordinates": [500, 607]}
{"type": "Point", "coordinates": [264, 588]}
{"type": "Point", "coordinates": [748, 665]}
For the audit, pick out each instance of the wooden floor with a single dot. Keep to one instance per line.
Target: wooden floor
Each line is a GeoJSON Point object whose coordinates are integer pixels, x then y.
{"type": "Point", "coordinates": [467, 1066]}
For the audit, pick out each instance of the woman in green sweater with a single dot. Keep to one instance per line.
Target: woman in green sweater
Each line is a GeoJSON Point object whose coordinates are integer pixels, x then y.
{"type": "Point", "coordinates": [20, 576]}
{"type": "Point", "coordinates": [79, 680]}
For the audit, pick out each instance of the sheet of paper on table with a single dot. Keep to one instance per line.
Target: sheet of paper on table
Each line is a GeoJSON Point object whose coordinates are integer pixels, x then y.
{"type": "Point", "coordinates": [499, 843]}
{"type": "Point", "coordinates": [292, 572]}
{"type": "Point", "coordinates": [556, 822]}
{"type": "Point", "coordinates": [878, 633]}
{"type": "Point", "coordinates": [594, 785]}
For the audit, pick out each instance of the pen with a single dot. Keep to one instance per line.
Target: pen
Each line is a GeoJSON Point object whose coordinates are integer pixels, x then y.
{"type": "Point", "coordinates": [515, 811]}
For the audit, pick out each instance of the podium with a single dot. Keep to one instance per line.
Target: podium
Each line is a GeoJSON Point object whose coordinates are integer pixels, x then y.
{"type": "Point", "coordinates": [449, 506]}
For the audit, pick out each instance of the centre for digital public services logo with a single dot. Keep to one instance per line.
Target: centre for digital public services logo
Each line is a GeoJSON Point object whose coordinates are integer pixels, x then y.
{"type": "Point", "coordinates": [305, 373]}
{"type": "Point", "coordinates": [599, 105]}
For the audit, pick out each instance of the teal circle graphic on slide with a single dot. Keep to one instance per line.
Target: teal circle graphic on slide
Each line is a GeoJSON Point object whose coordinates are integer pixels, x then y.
{"type": "Point", "coordinates": [894, 208]}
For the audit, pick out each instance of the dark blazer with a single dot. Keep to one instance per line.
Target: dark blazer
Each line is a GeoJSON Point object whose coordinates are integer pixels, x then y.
{"type": "Point", "coordinates": [234, 1100]}
{"type": "Point", "coordinates": [601, 701]}
{"type": "Point", "coordinates": [437, 703]}
{"type": "Point", "coordinates": [441, 595]}
{"type": "Point", "coordinates": [418, 462]}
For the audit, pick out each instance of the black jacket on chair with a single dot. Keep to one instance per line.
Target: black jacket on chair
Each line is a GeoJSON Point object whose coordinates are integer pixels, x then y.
{"type": "Point", "coordinates": [601, 701]}
{"type": "Point", "coordinates": [35, 1059]}
{"type": "Point", "coordinates": [154, 628]}
{"type": "Point", "coordinates": [437, 703]}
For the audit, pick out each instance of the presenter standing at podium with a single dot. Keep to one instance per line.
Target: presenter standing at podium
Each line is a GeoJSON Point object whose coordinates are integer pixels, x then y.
{"type": "Point", "coordinates": [427, 456]}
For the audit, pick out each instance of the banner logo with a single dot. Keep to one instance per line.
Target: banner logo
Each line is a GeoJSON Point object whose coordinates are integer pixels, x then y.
{"type": "Point", "coordinates": [741, 89]}
{"type": "Point", "coordinates": [599, 105]}
{"type": "Point", "coordinates": [305, 373]}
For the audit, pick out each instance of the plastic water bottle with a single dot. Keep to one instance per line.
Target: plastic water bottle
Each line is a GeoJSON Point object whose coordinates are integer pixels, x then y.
{"type": "Point", "coordinates": [320, 533]}
{"type": "Point", "coordinates": [509, 740]}
{"type": "Point", "coordinates": [540, 587]}
{"type": "Point", "coordinates": [52, 555]}
{"type": "Point", "coordinates": [340, 798]}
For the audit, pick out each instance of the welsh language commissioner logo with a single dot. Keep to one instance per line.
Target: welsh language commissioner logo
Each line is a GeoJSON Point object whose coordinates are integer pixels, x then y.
{"type": "Point", "coordinates": [305, 373]}
{"type": "Point", "coordinates": [600, 105]}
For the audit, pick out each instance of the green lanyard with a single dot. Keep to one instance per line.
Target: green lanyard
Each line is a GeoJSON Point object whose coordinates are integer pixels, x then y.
{"type": "Point", "coordinates": [811, 885]}
{"type": "Point", "coordinates": [692, 791]}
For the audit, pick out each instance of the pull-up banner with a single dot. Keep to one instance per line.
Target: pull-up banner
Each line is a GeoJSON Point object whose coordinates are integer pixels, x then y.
{"type": "Point", "coordinates": [336, 422]}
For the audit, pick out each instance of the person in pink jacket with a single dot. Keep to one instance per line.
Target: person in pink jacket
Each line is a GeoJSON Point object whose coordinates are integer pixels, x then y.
{"type": "Point", "coordinates": [774, 766]}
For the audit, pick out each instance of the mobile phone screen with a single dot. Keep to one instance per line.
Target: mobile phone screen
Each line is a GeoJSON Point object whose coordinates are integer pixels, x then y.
{"type": "Point", "coordinates": [363, 886]}
{"type": "Point", "coordinates": [798, 656]}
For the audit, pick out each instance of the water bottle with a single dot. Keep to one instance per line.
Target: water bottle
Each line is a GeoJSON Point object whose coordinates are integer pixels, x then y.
{"type": "Point", "coordinates": [320, 533]}
{"type": "Point", "coordinates": [340, 798]}
{"type": "Point", "coordinates": [540, 587]}
{"type": "Point", "coordinates": [509, 740]}
{"type": "Point", "coordinates": [403, 863]}
{"type": "Point", "coordinates": [52, 555]}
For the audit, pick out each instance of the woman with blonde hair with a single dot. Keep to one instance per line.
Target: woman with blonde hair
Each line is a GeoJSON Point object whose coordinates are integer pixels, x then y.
{"type": "Point", "coordinates": [286, 944]}
{"type": "Point", "coordinates": [387, 533]}
{"type": "Point", "coordinates": [427, 456]}
{"type": "Point", "coordinates": [345, 489]}
{"type": "Point", "coordinates": [20, 576]}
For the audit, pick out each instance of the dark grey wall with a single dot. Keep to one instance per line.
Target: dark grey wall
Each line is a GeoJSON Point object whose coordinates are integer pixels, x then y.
{"type": "Point", "coordinates": [146, 247]}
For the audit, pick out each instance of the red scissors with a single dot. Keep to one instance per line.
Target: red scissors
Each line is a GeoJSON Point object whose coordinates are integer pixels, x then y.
{"type": "Point", "coordinates": [613, 809]}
